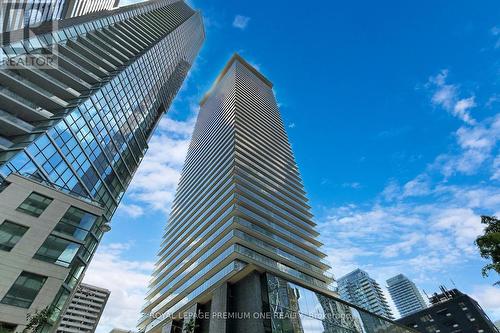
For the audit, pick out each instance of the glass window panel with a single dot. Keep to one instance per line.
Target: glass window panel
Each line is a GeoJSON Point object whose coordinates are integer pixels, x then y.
{"type": "Point", "coordinates": [298, 309]}
{"type": "Point", "coordinates": [57, 250]}
{"type": "Point", "coordinates": [79, 218]}
{"type": "Point", "coordinates": [34, 204]}
{"type": "Point", "coordinates": [24, 291]}
{"type": "Point", "coordinates": [10, 234]}
{"type": "Point", "coordinates": [61, 298]}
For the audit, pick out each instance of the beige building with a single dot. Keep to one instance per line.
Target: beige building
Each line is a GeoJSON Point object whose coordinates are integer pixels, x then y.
{"type": "Point", "coordinates": [42, 233]}
{"type": "Point", "coordinates": [84, 310]}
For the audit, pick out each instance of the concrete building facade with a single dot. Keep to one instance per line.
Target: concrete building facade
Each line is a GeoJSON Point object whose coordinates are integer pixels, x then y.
{"type": "Point", "coordinates": [46, 237]}
{"type": "Point", "coordinates": [84, 310]}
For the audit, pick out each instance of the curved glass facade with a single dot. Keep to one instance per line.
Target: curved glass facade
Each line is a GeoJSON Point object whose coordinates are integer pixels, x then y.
{"type": "Point", "coordinates": [82, 121]}
{"type": "Point", "coordinates": [295, 309]}
{"type": "Point", "coordinates": [93, 141]}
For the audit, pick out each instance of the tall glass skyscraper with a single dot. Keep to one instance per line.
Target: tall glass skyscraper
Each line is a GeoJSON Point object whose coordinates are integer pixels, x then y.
{"type": "Point", "coordinates": [82, 121]}
{"type": "Point", "coordinates": [240, 250]}
{"type": "Point", "coordinates": [23, 14]}
{"type": "Point", "coordinates": [78, 106]}
{"type": "Point", "coordinates": [405, 295]}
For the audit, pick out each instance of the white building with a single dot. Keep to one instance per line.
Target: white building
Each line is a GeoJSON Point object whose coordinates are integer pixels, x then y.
{"type": "Point", "coordinates": [405, 295]}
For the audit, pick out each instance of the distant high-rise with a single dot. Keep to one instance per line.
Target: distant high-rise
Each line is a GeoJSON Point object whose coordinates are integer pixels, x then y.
{"type": "Point", "coordinates": [359, 288]}
{"type": "Point", "coordinates": [240, 244]}
{"type": "Point", "coordinates": [450, 311]}
{"type": "Point", "coordinates": [405, 295]}
{"type": "Point", "coordinates": [78, 106]}
{"type": "Point", "coordinates": [84, 310]}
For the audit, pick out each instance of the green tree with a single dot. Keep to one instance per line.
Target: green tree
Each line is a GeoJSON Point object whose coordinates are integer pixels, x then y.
{"type": "Point", "coordinates": [37, 320]}
{"type": "Point", "coordinates": [189, 326]}
{"type": "Point", "coordinates": [489, 244]}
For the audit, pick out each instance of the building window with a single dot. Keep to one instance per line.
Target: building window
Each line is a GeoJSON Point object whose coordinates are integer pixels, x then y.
{"type": "Point", "coordinates": [426, 318]}
{"type": "Point", "coordinates": [10, 234]}
{"type": "Point", "coordinates": [57, 306]}
{"type": "Point", "coordinates": [3, 185]}
{"type": "Point", "coordinates": [57, 250]}
{"type": "Point", "coordinates": [76, 223]}
{"type": "Point", "coordinates": [23, 292]}
{"type": "Point", "coordinates": [6, 327]}
{"type": "Point", "coordinates": [34, 204]}
{"type": "Point", "coordinates": [431, 329]}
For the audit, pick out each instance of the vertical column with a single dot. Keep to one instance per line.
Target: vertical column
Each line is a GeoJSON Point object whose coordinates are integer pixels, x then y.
{"type": "Point", "coordinates": [218, 324]}
{"type": "Point", "coordinates": [246, 300]}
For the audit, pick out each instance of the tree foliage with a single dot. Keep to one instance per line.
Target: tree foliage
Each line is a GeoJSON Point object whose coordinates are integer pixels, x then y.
{"type": "Point", "coordinates": [489, 245]}
{"type": "Point", "coordinates": [37, 320]}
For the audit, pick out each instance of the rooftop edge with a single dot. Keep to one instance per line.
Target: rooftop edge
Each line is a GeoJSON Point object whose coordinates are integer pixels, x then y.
{"type": "Point", "coordinates": [235, 57]}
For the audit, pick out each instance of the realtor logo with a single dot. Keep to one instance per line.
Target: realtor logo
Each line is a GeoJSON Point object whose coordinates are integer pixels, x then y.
{"type": "Point", "coordinates": [26, 29]}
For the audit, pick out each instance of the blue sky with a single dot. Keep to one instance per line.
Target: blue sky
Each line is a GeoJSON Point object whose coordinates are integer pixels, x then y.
{"type": "Point", "coordinates": [392, 112]}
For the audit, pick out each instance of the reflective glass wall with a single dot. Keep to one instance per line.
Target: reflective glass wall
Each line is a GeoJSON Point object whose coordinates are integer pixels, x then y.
{"type": "Point", "coordinates": [295, 309]}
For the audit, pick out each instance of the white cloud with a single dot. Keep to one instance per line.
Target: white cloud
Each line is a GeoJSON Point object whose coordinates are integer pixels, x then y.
{"type": "Point", "coordinates": [475, 146]}
{"type": "Point", "coordinates": [391, 191]}
{"type": "Point", "coordinates": [418, 186]}
{"type": "Point", "coordinates": [131, 210]}
{"type": "Point", "coordinates": [447, 96]}
{"type": "Point", "coordinates": [127, 280]}
{"type": "Point", "coordinates": [178, 128]}
{"type": "Point", "coordinates": [156, 179]}
{"type": "Point", "coordinates": [420, 238]}
{"type": "Point", "coordinates": [462, 107]}
{"type": "Point", "coordinates": [405, 246]}
{"type": "Point", "coordinates": [291, 125]}
{"type": "Point", "coordinates": [353, 185]}
{"type": "Point", "coordinates": [495, 31]}
{"type": "Point", "coordinates": [496, 169]}
{"type": "Point", "coordinates": [241, 22]}
{"type": "Point", "coordinates": [475, 140]}
{"type": "Point", "coordinates": [426, 226]}
{"type": "Point", "coordinates": [463, 224]}
{"type": "Point", "coordinates": [488, 297]}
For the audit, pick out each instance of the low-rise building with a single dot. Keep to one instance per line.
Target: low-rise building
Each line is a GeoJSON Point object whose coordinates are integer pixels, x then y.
{"type": "Point", "coordinates": [451, 311]}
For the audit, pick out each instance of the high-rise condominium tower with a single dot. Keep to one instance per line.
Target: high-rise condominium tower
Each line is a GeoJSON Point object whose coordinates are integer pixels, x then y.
{"type": "Point", "coordinates": [360, 289]}
{"type": "Point", "coordinates": [240, 248]}
{"type": "Point", "coordinates": [23, 14]}
{"type": "Point", "coordinates": [405, 295]}
{"type": "Point", "coordinates": [74, 126]}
